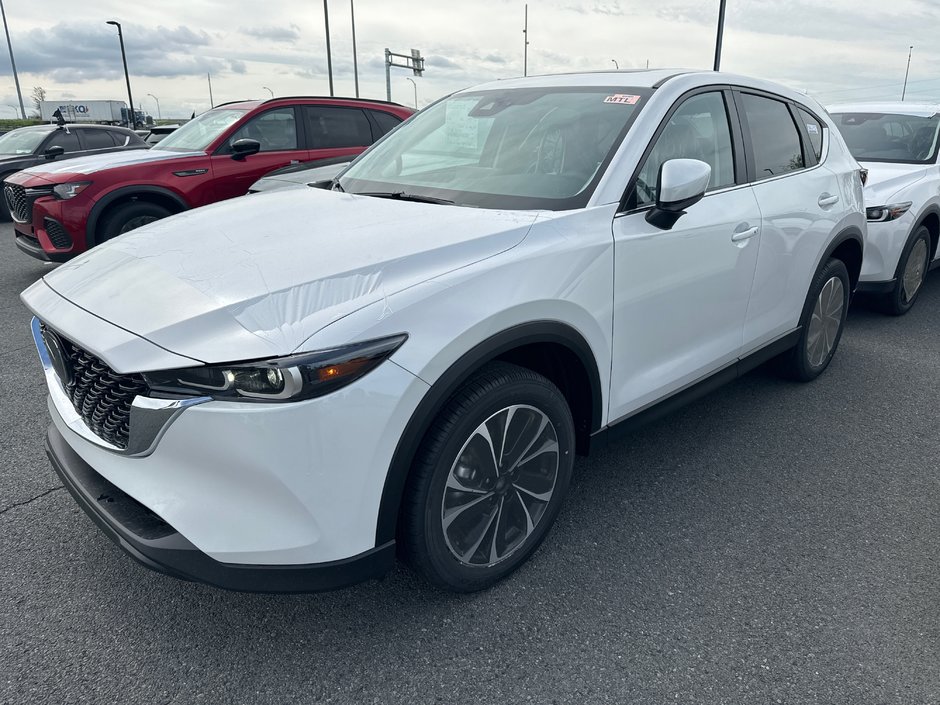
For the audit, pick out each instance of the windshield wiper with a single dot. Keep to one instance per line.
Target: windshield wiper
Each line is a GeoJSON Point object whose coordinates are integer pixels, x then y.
{"type": "Point", "coordinates": [402, 196]}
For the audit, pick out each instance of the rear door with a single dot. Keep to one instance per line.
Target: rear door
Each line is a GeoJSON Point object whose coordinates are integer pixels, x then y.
{"type": "Point", "coordinates": [281, 138]}
{"type": "Point", "coordinates": [800, 203]}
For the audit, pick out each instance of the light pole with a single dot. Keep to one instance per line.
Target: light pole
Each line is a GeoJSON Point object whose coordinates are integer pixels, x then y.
{"type": "Point", "coordinates": [127, 76]}
{"type": "Point", "coordinates": [329, 56]}
{"type": "Point", "coordinates": [268, 90]}
{"type": "Point", "coordinates": [907, 71]}
{"type": "Point", "coordinates": [352, 16]}
{"type": "Point", "coordinates": [616, 65]}
{"type": "Point", "coordinates": [525, 44]}
{"type": "Point", "coordinates": [721, 31]}
{"type": "Point", "coordinates": [159, 114]}
{"type": "Point", "coordinates": [16, 78]}
{"type": "Point", "coordinates": [416, 90]}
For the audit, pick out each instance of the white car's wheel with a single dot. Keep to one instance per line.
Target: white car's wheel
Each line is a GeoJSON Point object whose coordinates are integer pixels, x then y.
{"type": "Point", "coordinates": [911, 272]}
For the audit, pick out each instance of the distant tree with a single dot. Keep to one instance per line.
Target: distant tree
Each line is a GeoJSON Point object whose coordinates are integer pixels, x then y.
{"type": "Point", "coordinates": [38, 95]}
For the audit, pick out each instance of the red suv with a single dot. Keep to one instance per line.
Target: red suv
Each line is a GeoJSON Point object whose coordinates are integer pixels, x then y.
{"type": "Point", "coordinates": [61, 210]}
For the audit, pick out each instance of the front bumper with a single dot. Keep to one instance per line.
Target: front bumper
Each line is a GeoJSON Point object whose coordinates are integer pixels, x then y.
{"type": "Point", "coordinates": [55, 232]}
{"type": "Point", "coordinates": [154, 543]}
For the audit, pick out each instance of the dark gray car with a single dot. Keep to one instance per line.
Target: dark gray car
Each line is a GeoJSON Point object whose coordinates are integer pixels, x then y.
{"type": "Point", "coordinates": [29, 146]}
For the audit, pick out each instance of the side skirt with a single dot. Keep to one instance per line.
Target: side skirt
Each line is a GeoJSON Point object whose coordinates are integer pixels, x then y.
{"type": "Point", "coordinates": [692, 392]}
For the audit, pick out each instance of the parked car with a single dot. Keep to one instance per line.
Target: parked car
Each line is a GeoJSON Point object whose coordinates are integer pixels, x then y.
{"type": "Point", "coordinates": [277, 392]}
{"type": "Point", "coordinates": [897, 143]}
{"type": "Point", "coordinates": [62, 210]}
{"type": "Point", "coordinates": [25, 147]}
{"type": "Point", "coordinates": [158, 132]}
{"type": "Point", "coordinates": [318, 175]}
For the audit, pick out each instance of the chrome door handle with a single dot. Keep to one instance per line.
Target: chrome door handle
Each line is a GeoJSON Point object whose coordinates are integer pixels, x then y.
{"type": "Point", "coordinates": [745, 234]}
{"type": "Point", "coordinates": [827, 200]}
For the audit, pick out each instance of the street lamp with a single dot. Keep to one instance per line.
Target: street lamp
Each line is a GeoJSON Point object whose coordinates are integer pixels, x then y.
{"type": "Point", "coordinates": [616, 65]}
{"type": "Point", "coordinates": [159, 114]}
{"type": "Point", "coordinates": [416, 90]}
{"type": "Point", "coordinates": [268, 90]}
{"type": "Point", "coordinates": [16, 78]}
{"type": "Point", "coordinates": [127, 76]}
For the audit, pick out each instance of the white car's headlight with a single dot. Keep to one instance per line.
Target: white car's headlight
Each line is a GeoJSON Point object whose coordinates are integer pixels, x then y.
{"type": "Point", "coordinates": [282, 379]}
{"type": "Point", "coordinates": [70, 190]}
{"type": "Point", "coordinates": [880, 214]}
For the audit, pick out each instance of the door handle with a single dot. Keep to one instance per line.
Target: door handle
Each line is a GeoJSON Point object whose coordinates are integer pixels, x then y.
{"type": "Point", "coordinates": [745, 234]}
{"type": "Point", "coordinates": [827, 199]}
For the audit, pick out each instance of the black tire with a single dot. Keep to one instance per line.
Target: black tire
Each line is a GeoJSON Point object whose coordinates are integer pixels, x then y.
{"type": "Point", "coordinates": [905, 292]}
{"type": "Point", "coordinates": [499, 391]}
{"type": "Point", "coordinates": [806, 360]}
{"type": "Point", "coordinates": [127, 217]}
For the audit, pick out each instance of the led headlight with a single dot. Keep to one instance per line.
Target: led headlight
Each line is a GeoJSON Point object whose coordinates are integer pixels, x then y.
{"type": "Point", "coordinates": [881, 214]}
{"type": "Point", "coordinates": [70, 190]}
{"type": "Point", "coordinates": [290, 378]}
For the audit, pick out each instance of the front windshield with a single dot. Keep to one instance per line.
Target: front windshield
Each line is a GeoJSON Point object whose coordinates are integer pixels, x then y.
{"type": "Point", "coordinates": [514, 148]}
{"type": "Point", "coordinates": [21, 141]}
{"type": "Point", "coordinates": [885, 137]}
{"type": "Point", "coordinates": [201, 131]}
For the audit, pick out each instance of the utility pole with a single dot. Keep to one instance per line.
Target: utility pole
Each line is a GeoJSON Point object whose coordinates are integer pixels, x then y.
{"type": "Point", "coordinates": [721, 31]}
{"type": "Point", "coordinates": [211, 101]}
{"type": "Point", "coordinates": [329, 56]}
{"type": "Point", "coordinates": [904, 90]}
{"type": "Point", "coordinates": [16, 78]}
{"type": "Point", "coordinates": [352, 15]}
{"type": "Point", "coordinates": [127, 76]}
{"type": "Point", "coordinates": [525, 45]}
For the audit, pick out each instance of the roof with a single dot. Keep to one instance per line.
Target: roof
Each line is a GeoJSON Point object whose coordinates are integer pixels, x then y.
{"type": "Point", "coordinates": [249, 104]}
{"type": "Point", "coordinates": [893, 108]}
{"type": "Point", "coordinates": [636, 78]}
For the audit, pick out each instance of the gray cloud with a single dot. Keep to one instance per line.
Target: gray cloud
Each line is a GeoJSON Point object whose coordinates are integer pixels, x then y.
{"type": "Point", "coordinates": [276, 33]}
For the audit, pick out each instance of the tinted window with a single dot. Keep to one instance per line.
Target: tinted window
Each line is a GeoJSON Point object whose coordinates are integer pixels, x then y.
{"type": "Point", "coordinates": [336, 127]}
{"type": "Point", "coordinates": [97, 139]}
{"type": "Point", "coordinates": [774, 137]}
{"type": "Point", "coordinates": [883, 137]}
{"type": "Point", "coordinates": [697, 130]}
{"type": "Point", "coordinates": [275, 130]}
{"type": "Point", "coordinates": [66, 140]}
{"type": "Point", "coordinates": [814, 129]}
{"type": "Point", "coordinates": [386, 121]}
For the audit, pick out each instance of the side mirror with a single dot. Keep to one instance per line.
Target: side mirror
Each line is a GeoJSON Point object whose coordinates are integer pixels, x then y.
{"type": "Point", "coordinates": [53, 152]}
{"type": "Point", "coordinates": [682, 184]}
{"type": "Point", "coordinates": [245, 148]}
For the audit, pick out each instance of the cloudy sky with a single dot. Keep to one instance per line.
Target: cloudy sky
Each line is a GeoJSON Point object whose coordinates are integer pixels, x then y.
{"type": "Point", "coordinates": [838, 50]}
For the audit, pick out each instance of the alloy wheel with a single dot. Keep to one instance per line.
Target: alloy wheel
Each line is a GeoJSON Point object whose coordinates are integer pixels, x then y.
{"type": "Point", "coordinates": [914, 270]}
{"type": "Point", "coordinates": [826, 321]}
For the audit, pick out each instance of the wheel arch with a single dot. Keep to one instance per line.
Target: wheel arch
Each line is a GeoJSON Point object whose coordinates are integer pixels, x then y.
{"type": "Point", "coordinates": [153, 194]}
{"type": "Point", "coordinates": [849, 247]}
{"type": "Point", "coordinates": [930, 219]}
{"type": "Point", "coordinates": [551, 348]}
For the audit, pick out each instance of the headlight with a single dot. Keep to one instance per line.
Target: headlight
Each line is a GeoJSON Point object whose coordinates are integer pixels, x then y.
{"type": "Point", "coordinates": [880, 214]}
{"type": "Point", "coordinates": [70, 190]}
{"type": "Point", "coordinates": [291, 378]}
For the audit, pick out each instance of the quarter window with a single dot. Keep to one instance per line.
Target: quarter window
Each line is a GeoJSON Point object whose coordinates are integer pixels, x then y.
{"type": "Point", "coordinates": [774, 137]}
{"type": "Point", "coordinates": [697, 130]}
{"type": "Point", "coordinates": [274, 130]}
{"type": "Point", "coordinates": [330, 127]}
{"type": "Point", "coordinates": [814, 130]}
{"type": "Point", "coordinates": [386, 121]}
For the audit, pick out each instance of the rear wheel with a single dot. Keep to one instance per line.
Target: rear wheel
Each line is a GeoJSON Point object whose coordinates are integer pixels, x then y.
{"type": "Point", "coordinates": [129, 216]}
{"type": "Point", "coordinates": [489, 479]}
{"type": "Point", "coordinates": [912, 270]}
{"type": "Point", "coordinates": [821, 324]}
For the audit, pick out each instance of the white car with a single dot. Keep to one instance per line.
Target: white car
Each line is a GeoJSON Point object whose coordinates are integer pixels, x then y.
{"type": "Point", "coordinates": [897, 143]}
{"type": "Point", "coordinates": [316, 174]}
{"type": "Point", "coordinates": [278, 392]}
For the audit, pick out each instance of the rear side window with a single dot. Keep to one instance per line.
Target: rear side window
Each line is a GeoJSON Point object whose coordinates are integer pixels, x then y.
{"type": "Point", "coordinates": [386, 121]}
{"type": "Point", "coordinates": [97, 139]}
{"type": "Point", "coordinates": [329, 126]}
{"type": "Point", "coordinates": [814, 130]}
{"type": "Point", "coordinates": [774, 136]}
{"type": "Point", "coordinates": [67, 140]}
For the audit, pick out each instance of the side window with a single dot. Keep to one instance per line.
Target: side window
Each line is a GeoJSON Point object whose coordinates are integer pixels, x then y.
{"type": "Point", "coordinates": [97, 139]}
{"type": "Point", "coordinates": [386, 121]}
{"type": "Point", "coordinates": [697, 130]}
{"type": "Point", "coordinates": [814, 129]}
{"type": "Point", "coordinates": [329, 126]}
{"type": "Point", "coordinates": [774, 137]}
{"type": "Point", "coordinates": [275, 130]}
{"type": "Point", "coordinates": [67, 140]}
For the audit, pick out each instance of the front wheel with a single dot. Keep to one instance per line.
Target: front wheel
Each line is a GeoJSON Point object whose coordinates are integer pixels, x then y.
{"type": "Point", "coordinates": [912, 270]}
{"type": "Point", "coordinates": [129, 216]}
{"type": "Point", "coordinates": [822, 321]}
{"type": "Point", "coordinates": [489, 479]}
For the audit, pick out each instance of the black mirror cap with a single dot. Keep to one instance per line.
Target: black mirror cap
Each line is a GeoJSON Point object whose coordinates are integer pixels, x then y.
{"type": "Point", "coordinates": [54, 151]}
{"type": "Point", "coordinates": [245, 148]}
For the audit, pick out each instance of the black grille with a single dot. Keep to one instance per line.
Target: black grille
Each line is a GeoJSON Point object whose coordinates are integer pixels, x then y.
{"type": "Point", "coordinates": [20, 206]}
{"type": "Point", "coordinates": [58, 235]}
{"type": "Point", "coordinates": [101, 396]}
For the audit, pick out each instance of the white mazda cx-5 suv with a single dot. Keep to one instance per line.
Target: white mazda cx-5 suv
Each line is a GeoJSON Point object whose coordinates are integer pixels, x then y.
{"type": "Point", "coordinates": [276, 393]}
{"type": "Point", "coordinates": [898, 144]}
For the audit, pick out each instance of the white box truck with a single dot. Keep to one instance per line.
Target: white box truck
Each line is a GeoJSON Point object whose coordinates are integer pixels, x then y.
{"type": "Point", "coordinates": [101, 111]}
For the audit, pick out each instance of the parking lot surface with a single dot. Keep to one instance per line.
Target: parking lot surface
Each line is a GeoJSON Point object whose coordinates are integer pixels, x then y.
{"type": "Point", "coordinates": [772, 543]}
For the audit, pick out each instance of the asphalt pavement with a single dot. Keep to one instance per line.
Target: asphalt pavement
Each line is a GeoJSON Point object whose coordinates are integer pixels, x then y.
{"type": "Point", "coordinates": [772, 543]}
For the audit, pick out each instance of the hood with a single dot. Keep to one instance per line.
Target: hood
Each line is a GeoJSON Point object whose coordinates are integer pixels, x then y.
{"type": "Point", "coordinates": [255, 277]}
{"type": "Point", "coordinates": [885, 179]}
{"type": "Point", "coordinates": [98, 162]}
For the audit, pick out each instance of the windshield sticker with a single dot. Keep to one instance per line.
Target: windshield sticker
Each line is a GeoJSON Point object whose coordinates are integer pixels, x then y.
{"type": "Point", "coordinates": [812, 128]}
{"type": "Point", "coordinates": [623, 99]}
